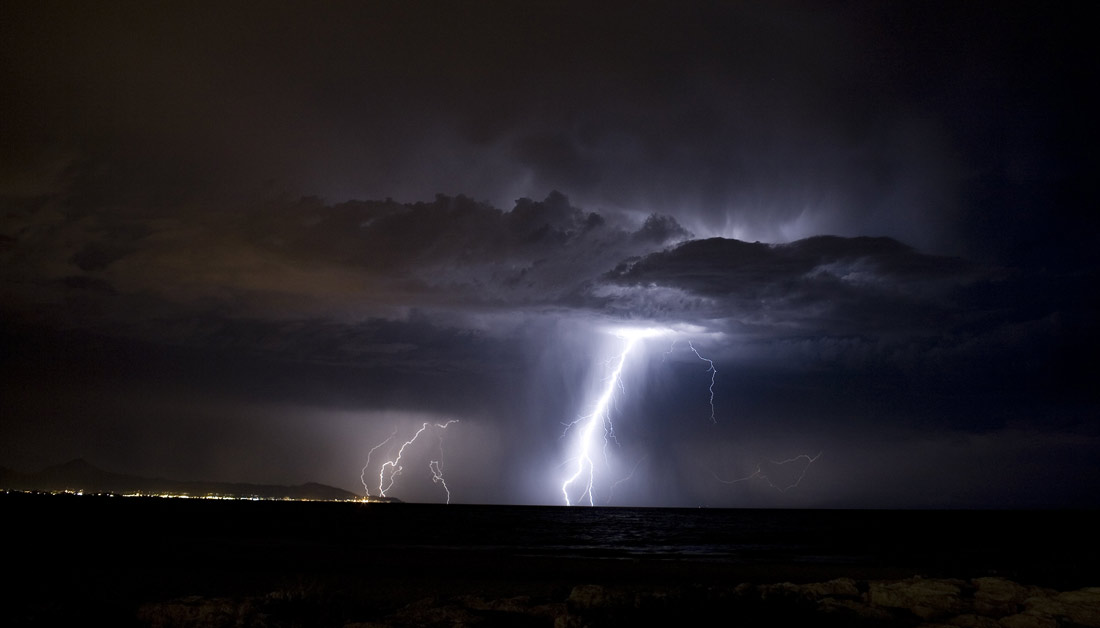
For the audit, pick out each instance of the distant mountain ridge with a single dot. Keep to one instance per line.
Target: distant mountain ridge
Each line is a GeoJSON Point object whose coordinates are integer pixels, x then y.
{"type": "Point", "coordinates": [82, 476]}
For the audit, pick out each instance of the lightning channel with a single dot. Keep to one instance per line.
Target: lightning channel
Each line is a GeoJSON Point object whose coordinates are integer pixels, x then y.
{"type": "Point", "coordinates": [711, 369]}
{"type": "Point", "coordinates": [628, 477]}
{"type": "Point", "coordinates": [585, 472]}
{"type": "Point", "coordinates": [579, 486]}
{"type": "Point", "coordinates": [713, 373]}
{"type": "Point", "coordinates": [437, 477]}
{"type": "Point", "coordinates": [363, 473]}
{"type": "Point", "coordinates": [759, 473]}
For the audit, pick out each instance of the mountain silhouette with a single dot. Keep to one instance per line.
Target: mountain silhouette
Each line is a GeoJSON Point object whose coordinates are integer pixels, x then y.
{"type": "Point", "coordinates": [79, 475]}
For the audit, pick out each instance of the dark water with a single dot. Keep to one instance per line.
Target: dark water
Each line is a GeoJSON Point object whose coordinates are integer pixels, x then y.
{"type": "Point", "coordinates": [1058, 548]}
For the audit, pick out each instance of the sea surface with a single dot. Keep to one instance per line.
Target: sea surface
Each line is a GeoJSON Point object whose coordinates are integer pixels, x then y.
{"type": "Point", "coordinates": [1054, 548]}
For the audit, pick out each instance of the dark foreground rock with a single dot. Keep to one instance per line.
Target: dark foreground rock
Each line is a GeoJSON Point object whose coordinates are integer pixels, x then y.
{"type": "Point", "coordinates": [926, 602]}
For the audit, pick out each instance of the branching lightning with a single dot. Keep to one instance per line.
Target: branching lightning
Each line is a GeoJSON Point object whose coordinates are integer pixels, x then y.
{"type": "Point", "coordinates": [584, 431]}
{"type": "Point", "coordinates": [584, 472]}
{"type": "Point", "coordinates": [629, 476]}
{"type": "Point", "coordinates": [759, 473]}
{"type": "Point", "coordinates": [390, 469]}
{"type": "Point", "coordinates": [712, 370]}
{"type": "Point", "coordinates": [363, 473]}
{"type": "Point", "coordinates": [437, 477]}
{"type": "Point", "coordinates": [586, 468]}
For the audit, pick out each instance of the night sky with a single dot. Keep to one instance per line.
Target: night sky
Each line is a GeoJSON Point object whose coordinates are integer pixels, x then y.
{"type": "Point", "coordinates": [251, 241]}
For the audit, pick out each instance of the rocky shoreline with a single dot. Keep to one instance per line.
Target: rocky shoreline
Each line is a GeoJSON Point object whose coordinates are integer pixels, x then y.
{"type": "Point", "coordinates": [987, 602]}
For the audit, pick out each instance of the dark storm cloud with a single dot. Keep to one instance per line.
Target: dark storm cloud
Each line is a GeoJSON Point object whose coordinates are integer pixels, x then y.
{"type": "Point", "coordinates": [307, 258]}
{"type": "Point", "coordinates": [367, 259]}
{"type": "Point", "coordinates": [937, 125]}
{"type": "Point", "coordinates": [835, 284]}
{"type": "Point", "coordinates": [311, 277]}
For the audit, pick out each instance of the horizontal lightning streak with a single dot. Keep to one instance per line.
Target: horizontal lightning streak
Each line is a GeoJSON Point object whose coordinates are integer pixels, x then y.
{"type": "Point", "coordinates": [759, 474]}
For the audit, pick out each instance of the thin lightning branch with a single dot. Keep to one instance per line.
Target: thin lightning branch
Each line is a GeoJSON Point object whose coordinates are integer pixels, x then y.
{"type": "Point", "coordinates": [713, 373]}
{"type": "Point", "coordinates": [759, 473]}
{"type": "Point", "coordinates": [395, 465]}
{"type": "Point", "coordinates": [437, 477]}
{"type": "Point", "coordinates": [437, 470]}
{"type": "Point", "coordinates": [712, 370]}
{"type": "Point", "coordinates": [629, 477]}
{"type": "Point", "coordinates": [671, 348]}
{"type": "Point", "coordinates": [363, 473]}
{"type": "Point", "coordinates": [569, 425]}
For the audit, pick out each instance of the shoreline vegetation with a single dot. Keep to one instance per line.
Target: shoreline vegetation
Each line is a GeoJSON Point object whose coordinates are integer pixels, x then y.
{"type": "Point", "coordinates": [987, 602]}
{"type": "Point", "coordinates": [165, 563]}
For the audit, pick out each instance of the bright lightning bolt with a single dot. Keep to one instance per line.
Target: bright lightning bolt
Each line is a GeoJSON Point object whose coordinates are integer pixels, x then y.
{"type": "Point", "coordinates": [585, 437]}
{"type": "Point", "coordinates": [759, 474]}
{"type": "Point", "coordinates": [390, 469]}
{"type": "Point", "coordinates": [585, 472]}
{"type": "Point", "coordinates": [586, 467]}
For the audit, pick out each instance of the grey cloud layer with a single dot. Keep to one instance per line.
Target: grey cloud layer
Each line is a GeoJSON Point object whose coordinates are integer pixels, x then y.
{"type": "Point", "coordinates": [827, 284]}
{"type": "Point", "coordinates": [302, 259]}
{"type": "Point", "coordinates": [358, 260]}
{"type": "Point", "coordinates": [434, 286]}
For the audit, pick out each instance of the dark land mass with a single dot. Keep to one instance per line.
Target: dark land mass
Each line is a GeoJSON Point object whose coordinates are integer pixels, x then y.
{"type": "Point", "coordinates": [164, 562]}
{"type": "Point", "coordinates": [81, 476]}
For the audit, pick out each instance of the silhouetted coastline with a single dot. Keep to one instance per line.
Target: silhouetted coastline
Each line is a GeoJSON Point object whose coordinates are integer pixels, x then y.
{"type": "Point", "coordinates": [79, 475]}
